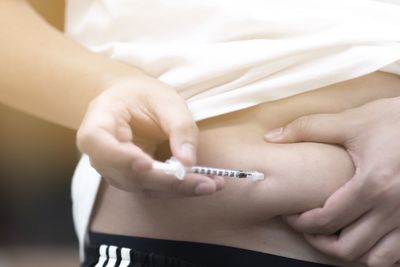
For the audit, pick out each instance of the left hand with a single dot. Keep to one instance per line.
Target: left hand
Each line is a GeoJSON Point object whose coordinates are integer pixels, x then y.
{"type": "Point", "coordinates": [366, 210]}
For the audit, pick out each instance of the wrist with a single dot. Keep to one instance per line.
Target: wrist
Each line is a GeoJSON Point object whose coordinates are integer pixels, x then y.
{"type": "Point", "coordinates": [111, 72]}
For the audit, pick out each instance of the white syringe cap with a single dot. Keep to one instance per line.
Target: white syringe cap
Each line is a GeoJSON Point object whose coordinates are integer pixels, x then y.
{"type": "Point", "coordinates": [171, 166]}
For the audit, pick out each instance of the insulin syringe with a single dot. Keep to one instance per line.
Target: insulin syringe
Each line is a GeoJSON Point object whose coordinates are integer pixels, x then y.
{"type": "Point", "coordinates": [175, 167]}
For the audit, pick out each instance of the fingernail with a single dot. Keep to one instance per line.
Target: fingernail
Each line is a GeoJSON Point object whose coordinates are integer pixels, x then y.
{"type": "Point", "coordinates": [188, 151]}
{"type": "Point", "coordinates": [274, 134]}
{"type": "Point", "coordinates": [204, 189]}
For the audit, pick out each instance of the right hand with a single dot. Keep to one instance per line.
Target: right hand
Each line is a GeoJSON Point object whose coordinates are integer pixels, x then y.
{"type": "Point", "coordinates": [124, 125]}
{"type": "Point", "coordinates": [361, 220]}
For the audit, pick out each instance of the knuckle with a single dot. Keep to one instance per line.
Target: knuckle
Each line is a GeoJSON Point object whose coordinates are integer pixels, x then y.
{"type": "Point", "coordinates": [302, 123]}
{"type": "Point", "coordinates": [302, 126]}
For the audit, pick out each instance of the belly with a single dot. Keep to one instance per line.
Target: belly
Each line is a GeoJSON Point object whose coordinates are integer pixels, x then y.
{"type": "Point", "coordinates": [246, 214]}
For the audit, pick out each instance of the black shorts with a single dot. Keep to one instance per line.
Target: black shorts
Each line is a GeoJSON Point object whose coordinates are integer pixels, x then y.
{"type": "Point", "coordinates": [127, 251]}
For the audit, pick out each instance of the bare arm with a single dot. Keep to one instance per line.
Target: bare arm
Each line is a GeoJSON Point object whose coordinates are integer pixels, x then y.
{"type": "Point", "coordinates": [44, 73]}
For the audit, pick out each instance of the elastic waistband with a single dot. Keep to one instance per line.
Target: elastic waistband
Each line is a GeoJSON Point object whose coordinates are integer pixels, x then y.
{"type": "Point", "coordinates": [115, 250]}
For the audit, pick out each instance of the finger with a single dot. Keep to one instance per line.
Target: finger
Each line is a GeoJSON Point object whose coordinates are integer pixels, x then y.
{"type": "Point", "coordinates": [128, 175]}
{"type": "Point", "coordinates": [324, 128]}
{"type": "Point", "coordinates": [342, 208]}
{"type": "Point", "coordinates": [386, 253]}
{"type": "Point", "coordinates": [356, 239]}
{"type": "Point", "coordinates": [191, 185]}
{"type": "Point", "coordinates": [135, 171]}
{"type": "Point", "coordinates": [177, 122]}
{"type": "Point", "coordinates": [103, 149]}
{"type": "Point", "coordinates": [353, 241]}
{"type": "Point", "coordinates": [328, 244]}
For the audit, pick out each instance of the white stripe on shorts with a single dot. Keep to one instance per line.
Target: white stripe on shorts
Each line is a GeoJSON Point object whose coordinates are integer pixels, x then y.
{"type": "Point", "coordinates": [103, 256]}
{"type": "Point", "coordinates": [112, 256]}
{"type": "Point", "coordinates": [125, 257]}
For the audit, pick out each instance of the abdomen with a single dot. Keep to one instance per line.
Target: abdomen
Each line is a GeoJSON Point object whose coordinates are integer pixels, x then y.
{"type": "Point", "coordinates": [298, 177]}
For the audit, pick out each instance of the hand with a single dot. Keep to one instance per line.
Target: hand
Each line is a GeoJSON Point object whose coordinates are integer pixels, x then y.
{"type": "Point", "coordinates": [124, 125]}
{"type": "Point", "coordinates": [361, 220]}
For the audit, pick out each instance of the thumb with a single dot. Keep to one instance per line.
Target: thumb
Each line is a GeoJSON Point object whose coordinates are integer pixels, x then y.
{"type": "Point", "coordinates": [323, 128]}
{"type": "Point", "coordinates": [177, 122]}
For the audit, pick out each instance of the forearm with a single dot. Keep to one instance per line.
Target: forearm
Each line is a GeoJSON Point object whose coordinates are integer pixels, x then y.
{"type": "Point", "coordinates": [44, 73]}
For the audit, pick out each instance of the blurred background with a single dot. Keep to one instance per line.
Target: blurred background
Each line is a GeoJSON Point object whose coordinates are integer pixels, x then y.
{"type": "Point", "coordinates": [37, 160]}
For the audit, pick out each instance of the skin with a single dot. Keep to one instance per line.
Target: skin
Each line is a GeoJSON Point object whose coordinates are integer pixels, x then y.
{"type": "Point", "coordinates": [244, 214]}
{"type": "Point", "coordinates": [366, 210]}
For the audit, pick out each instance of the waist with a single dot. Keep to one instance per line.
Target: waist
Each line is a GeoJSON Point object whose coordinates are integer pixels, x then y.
{"type": "Point", "coordinates": [299, 177]}
{"type": "Point", "coordinates": [124, 249]}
